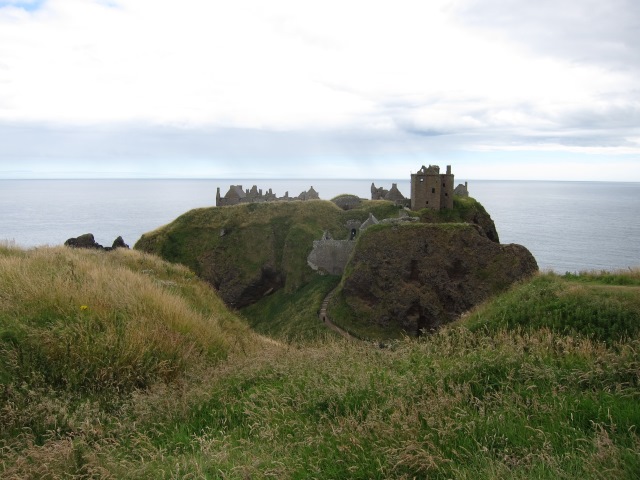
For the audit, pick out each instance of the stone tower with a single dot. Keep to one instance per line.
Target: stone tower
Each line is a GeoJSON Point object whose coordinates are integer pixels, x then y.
{"type": "Point", "coordinates": [431, 189]}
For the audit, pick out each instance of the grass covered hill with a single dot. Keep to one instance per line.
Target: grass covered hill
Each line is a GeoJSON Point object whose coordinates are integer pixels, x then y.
{"type": "Point", "coordinates": [255, 255]}
{"type": "Point", "coordinates": [83, 321]}
{"type": "Point", "coordinates": [156, 379]}
{"type": "Point", "coordinates": [413, 278]}
{"type": "Point", "coordinates": [247, 250]}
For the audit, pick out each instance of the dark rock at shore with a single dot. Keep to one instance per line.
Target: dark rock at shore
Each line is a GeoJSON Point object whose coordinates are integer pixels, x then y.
{"type": "Point", "coordinates": [88, 241]}
{"type": "Point", "coordinates": [119, 243]}
{"type": "Point", "coordinates": [84, 241]}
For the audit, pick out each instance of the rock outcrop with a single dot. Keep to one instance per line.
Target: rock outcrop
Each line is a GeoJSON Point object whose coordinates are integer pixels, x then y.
{"type": "Point", "coordinates": [466, 210]}
{"type": "Point", "coordinates": [119, 243]}
{"type": "Point", "coordinates": [414, 278]}
{"type": "Point", "coordinates": [248, 251]}
{"type": "Point", "coordinates": [88, 241]}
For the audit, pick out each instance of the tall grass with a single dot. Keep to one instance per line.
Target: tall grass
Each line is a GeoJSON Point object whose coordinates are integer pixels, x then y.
{"type": "Point", "coordinates": [605, 308]}
{"type": "Point", "coordinates": [455, 405]}
{"type": "Point", "coordinates": [84, 322]}
{"type": "Point", "coordinates": [293, 317]}
{"type": "Point", "coordinates": [483, 398]}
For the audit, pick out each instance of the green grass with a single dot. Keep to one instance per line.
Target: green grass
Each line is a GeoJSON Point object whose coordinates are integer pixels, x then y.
{"type": "Point", "coordinates": [456, 405]}
{"type": "Point", "coordinates": [490, 396]}
{"type": "Point", "coordinates": [605, 308]}
{"type": "Point", "coordinates": [97, 323]}
{"type": "Point", "coordinates": [625, 278]}
{"type": "Point", "coordinates": [292, 317]}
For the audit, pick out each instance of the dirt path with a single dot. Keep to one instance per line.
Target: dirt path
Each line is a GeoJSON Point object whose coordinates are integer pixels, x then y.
{"type": "Point", "coordinates": [327, 321]}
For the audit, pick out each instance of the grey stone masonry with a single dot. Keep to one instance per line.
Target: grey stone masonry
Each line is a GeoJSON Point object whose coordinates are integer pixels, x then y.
{"type": "Point", "coordinates": [236, 195]}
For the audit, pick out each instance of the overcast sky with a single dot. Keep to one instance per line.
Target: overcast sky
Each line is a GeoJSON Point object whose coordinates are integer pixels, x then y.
{"type": "Point", "coordinates": [500, 89]}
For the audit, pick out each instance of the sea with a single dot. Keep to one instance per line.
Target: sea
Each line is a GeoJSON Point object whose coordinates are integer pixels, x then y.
{"type": "Point", "coordinates": [568, 226]}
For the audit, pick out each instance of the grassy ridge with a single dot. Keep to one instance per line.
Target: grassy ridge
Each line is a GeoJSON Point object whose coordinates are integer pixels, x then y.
{"type": "Point", "coordinates": [491, 396]}
{"type": "Point", "coordinates": [90, 322]}
{"type": "Point", "coordinates": [603, 307]}
{"type": "Point", "coordinates": [279, 233]}
{"type": "Point", "coordinates": [292, 317]}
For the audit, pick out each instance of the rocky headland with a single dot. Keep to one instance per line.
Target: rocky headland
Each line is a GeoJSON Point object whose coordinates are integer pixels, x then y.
{"type": "Point", "coordinates": [414, 278]}
{"type": "Point", "coordinates": [406, 272]}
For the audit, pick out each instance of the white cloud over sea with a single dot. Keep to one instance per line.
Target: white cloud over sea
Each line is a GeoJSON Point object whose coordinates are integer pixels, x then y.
{"type": "Point", "coordinates": [499, 89]}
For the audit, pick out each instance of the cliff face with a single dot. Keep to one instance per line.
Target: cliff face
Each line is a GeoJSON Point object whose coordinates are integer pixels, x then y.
{"type": "Point", "coordinates": [400, 276]}
{"type": "Point", "coordinates": [414, 278]}
{"type": "Point", "coordinates": [248, 251]}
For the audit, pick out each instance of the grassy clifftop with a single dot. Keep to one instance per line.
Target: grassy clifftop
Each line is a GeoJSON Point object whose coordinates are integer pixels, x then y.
{"type": "Point", "coordinates": [157, 379]}
{"type": "Point", "coordinates": [255, 255]}
{"type": "Point", "coordinates": [83, 321]}
{"type": "Point", "coordinates": [247, 250]}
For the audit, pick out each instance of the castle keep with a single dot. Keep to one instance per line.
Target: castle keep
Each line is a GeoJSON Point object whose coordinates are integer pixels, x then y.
{"type": "Point", "coordinates": [429, 189]}
{"type": "Point", "coordinates": [432, 189]}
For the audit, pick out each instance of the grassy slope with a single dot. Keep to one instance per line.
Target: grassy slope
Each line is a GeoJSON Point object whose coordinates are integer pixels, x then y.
{"type": "Point", "coordinates": [291, 226]}
{"type": "Point", "coordinates": [294, 316]}
{"type": "Point", "coordinates": [86, 324]}
{"type": "Point", "coordinates": [605, 308]}
{"type": "Point", "coordinates": [491, 396]}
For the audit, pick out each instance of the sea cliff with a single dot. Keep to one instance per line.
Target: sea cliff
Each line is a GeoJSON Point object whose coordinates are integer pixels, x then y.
{"type": "Point", "coordinates": [418, 271]}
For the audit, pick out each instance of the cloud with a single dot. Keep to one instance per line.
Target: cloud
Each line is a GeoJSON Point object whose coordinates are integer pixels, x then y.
{"type": "Point", "coordinates": [587, 31]}
{"type": "Point", "coordinates": [284, 79]}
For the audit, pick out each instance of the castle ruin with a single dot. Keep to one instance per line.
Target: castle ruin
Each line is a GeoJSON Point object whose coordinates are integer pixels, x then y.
{"type": "Point", "coordinates": [429, 189]}
{"type": "Point", "coordinates": [236, 195]}
{"type": "Point", "coordinates": [432, 189]}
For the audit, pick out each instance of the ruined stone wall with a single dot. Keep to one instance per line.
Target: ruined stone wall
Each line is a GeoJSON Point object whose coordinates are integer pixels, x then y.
{"type": "Point", "coordinates": [330, 256]}
{"type": "Point", "coordinates": [236, 195]}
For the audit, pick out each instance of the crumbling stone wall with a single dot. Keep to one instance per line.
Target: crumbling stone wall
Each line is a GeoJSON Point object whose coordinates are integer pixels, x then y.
{"type": "Point", "coordinates": [330, 256]}
{"type": "Point", "coordinates": [393, 195]}
{"type": "Point", "coordinates": [236, 195]}
{"type": "Point", "coordinates": [462, 190]}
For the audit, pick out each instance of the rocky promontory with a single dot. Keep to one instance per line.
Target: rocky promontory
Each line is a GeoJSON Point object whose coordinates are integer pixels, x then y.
{"type": "Point", "coordinates": [403, 275]}
{"type": "Point", "coordinates": [413, 278]}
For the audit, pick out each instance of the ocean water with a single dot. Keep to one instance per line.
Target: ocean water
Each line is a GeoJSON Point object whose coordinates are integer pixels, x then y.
{"type": "Point", "coordinates": [568, 226]}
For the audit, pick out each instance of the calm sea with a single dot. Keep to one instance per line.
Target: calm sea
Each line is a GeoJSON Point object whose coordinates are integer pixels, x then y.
{"type": "Point", "coordinates": [568, 226]}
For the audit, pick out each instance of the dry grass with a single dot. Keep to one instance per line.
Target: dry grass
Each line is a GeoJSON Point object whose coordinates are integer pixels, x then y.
{"type": "Point", "coordinates": [495, 403]}
{"type": "Point", "coordinates": [93, 321]}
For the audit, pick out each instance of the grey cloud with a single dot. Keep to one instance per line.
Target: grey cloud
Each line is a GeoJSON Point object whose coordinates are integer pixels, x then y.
{"type": "Point", "coordinates": [606, 124]}
{"type": "Point", "coordinates": [128, 141]}
{"type": "Point", "coordinates": [600, 32]}
{"type": "Point", "coordinates": [138, 146]}
{"type": "Point", "coordinates": [623, 118]}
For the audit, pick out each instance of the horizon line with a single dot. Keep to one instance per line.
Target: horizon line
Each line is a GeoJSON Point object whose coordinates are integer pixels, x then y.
{"type": "Point", "coordinates": [309, 179]}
